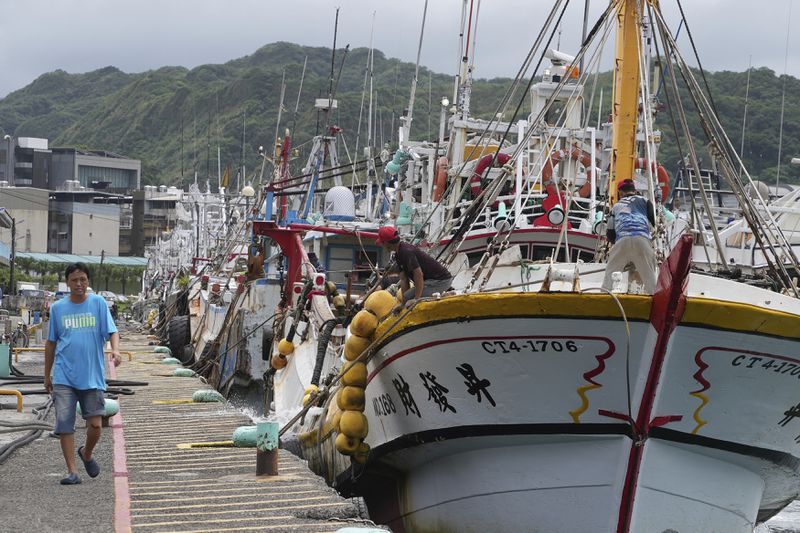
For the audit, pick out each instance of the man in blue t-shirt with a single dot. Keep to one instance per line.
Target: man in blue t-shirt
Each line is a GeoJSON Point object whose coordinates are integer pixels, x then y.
{"type": "Point", "coordinates": [80, 325]}
{"type": "Point", "coordinates": [629, 231]}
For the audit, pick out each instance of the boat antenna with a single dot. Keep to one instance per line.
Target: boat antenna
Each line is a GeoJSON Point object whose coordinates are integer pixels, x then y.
{"type": "Point", "coordinates": [585, 27]}
{"type": "Point", "coordinates": [406, 127]}
{"type": "Point", "coordinates": [783, 98]}
{"type": "Point", "coordinates": [367, 78]}
{"type": "Point", "coordinates": [299, 90]}
{"type": "Point", "coordinates": [744, 117]}
{"type": "Point", "coordinates": [333, 68]}
{"type": "Point", "coordinates": [280, 110]}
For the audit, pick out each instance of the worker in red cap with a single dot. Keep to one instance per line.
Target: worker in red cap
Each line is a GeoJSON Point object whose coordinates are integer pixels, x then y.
{"type": "Point", "coordinates": [429, 275]}
{"type": "Point", "coordinates": [629, 232]}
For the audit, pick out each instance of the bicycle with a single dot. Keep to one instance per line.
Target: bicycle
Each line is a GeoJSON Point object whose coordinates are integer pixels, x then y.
{"type": "Point", "coordinates": [20, 337]}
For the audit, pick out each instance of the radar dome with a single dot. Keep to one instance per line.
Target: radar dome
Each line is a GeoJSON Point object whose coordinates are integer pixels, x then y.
{"type": "Point", "coordinates": [340, 204]}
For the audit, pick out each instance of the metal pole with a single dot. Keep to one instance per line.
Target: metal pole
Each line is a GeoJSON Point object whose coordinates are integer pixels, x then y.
{"type": "Point", "coordinates": [13, 255]}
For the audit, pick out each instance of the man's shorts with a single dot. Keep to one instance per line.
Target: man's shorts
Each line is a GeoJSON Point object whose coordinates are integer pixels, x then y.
{"type": "Point", "coordinates": [65, 399]}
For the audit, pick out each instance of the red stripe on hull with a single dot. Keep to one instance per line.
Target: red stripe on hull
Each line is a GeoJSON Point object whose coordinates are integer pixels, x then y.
{"type": "Point", "coordinates": [669, 302]}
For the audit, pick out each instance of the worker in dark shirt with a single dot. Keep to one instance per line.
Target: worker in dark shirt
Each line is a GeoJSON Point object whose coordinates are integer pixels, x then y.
{"type": "Point", "coordinates": [429, 276]}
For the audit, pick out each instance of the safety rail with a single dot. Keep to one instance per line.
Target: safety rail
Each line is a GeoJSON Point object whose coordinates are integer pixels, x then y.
{"type": "Point", "coordinates": [41, 349]}
{"type": "Point", "coordinates": [12, 392]}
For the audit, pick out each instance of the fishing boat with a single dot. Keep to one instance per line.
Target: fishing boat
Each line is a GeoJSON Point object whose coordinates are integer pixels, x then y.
{"type": "Point", "coordinates": [529, 396]}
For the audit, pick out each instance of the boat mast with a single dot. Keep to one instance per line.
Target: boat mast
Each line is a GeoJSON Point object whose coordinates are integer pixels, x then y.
{"type": "Point", "coordinates": [626, 95]}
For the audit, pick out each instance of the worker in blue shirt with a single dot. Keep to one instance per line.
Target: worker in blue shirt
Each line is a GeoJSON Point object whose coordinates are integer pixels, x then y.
{"type": "Point", "coordinates": [629, 232]}
{"type": "Point", "coordinates": [80, 325]}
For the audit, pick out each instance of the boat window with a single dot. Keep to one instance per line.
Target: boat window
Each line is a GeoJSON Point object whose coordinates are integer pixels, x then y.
{"type": "Point", "coordinates": [474, 258]}
{"type": "Point", "coordinates": [542, 253]}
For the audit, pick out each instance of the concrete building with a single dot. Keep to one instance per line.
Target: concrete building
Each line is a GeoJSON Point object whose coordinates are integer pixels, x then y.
{"type": "Point", "coordinates": [152, 212]}
{"type": "Point", "coordinates": [94, 170]}
{"type": "Point", "coordinates": [30, 209]}
{"type": "Point", "coordinates": [25, 162]}
{"type": "Point", "coordinates": [84, 223]}
{"type": "Point", "coordinates": [30, 162]}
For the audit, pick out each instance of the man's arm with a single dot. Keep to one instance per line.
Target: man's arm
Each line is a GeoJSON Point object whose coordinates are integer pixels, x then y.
{"type": "Point", "coordinates": [403, 283]}
{"type": "Point", "coordinates": [115, 356]}
{"type": "Point", "coordinates": [419, 283]}
{"type": "Point", "coordinates": [49, 358]}
{"type": "Point", "coordinates": [651, 213]}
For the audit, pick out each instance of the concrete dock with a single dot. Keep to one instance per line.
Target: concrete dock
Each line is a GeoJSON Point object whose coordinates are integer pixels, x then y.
{"type": "Point", "coordinates": [150, 484]}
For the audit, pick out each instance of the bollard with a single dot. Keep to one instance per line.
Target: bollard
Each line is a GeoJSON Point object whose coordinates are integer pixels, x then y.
{"type": "Point", "coordinates": [5, 361]}
{"type": "Point", "coordinates": [267, 449]}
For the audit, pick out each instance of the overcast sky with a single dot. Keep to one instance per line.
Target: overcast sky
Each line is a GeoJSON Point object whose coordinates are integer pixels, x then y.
{"type": "Point", "coordinates": [39, 36]}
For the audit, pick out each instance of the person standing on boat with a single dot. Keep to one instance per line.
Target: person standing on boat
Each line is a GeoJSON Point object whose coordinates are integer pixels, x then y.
{"type": "Point", "coordinates": [80, 325]}
{"type": "Point", "coordinates": [629, 232]}
{"type": "Point", "coordinates": [428, 274]}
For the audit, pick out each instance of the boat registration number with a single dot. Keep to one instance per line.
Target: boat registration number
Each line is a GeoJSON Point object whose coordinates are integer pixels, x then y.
{"type": "Point", "coordinates": [529, 346]}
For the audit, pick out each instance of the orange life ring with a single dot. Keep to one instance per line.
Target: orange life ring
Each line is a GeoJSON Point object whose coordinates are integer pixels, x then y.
{"type": "Point", "coordinates": [661, 176]}
{"type": "Point", "coordinates": [440, 183]}
{"type": "Point", "coordinates": [582, 157]}
{"type": "Point", "coordinates": [483, 164]}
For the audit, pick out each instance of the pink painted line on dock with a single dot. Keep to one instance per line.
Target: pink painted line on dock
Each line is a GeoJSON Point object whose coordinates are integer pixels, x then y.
{"type": "Point", "coordinates": [122, 493]}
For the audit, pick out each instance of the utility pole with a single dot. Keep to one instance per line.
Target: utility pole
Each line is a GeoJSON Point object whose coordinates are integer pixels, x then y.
{"type": "Point", "coordinates": [11, 289]}
{"type": "Point", "coordinates": [102, 259]}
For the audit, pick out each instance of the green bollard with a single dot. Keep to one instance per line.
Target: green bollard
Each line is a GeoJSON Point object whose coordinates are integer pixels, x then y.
{"type": "Point", "coordinates": [5, 361]}
{"type": "Point", "coordinates": [207, 395]}
{"type": "Point", "coordinates": [183, 373]}
{"type": "Point", "coordinates": [170, 361]}
{"type": "Point", "coordinates": [267, 442]}
{"type": "Point", "coordinates": [162, 349]}
{"type": "Point", "coordinates": [245, 436]}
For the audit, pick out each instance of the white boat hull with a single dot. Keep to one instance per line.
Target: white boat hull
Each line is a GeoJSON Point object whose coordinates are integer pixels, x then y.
{"type": "Point", "coordinates": [497, 412]}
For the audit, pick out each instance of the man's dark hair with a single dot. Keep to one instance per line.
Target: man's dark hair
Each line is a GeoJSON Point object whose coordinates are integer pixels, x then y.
{"type": "Point", "coordinates": [76, 267]}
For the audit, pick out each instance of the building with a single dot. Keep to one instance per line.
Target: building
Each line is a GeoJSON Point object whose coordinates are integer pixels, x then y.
{"type": "Point", "coordinates": [25, 162]}
{"type": "Point", "coordinates": [94, 170]}
{"type": "Point", "coordinates": [84, 223]}
{"type": "Point", "coordinates": [153, 211]}
{"type": "Point", "coordinates": [29, 162]}
{"type": "Point", "coordinates": [29, 208]}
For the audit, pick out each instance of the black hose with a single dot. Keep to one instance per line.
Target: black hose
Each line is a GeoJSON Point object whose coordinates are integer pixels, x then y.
{"type": "Point", "coordinates": [41, 413]}
{"type": "Point", "coordinates": [322, 348]}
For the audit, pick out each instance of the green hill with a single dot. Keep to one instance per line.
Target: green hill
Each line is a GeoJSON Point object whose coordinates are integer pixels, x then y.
{"type": "Point", "coordinates": [173, 118]}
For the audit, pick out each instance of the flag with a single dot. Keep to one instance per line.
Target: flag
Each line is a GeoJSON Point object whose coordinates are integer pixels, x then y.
{"type": "Point", "coordinates": [226, 176]}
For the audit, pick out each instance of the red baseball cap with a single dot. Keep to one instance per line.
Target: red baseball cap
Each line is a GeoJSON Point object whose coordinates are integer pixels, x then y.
{"type": "Point", "coordinates": [386, 234]}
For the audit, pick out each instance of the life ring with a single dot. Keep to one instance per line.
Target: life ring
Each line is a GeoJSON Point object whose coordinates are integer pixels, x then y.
{"type": "Point", "coordinates": [440, 184]}
{"type": "Point", "coordinates": [582, 157]}
{"type": "Point", "coordinates": [480, 168]}
{"type": "Point", "coordinates": [661, 176]}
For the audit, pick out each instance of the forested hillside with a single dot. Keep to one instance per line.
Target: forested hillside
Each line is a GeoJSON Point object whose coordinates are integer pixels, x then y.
{"type": "Point", "coordinates": [173, 118]}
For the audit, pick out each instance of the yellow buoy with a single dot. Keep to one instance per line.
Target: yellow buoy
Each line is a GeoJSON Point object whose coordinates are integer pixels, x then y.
{"type": "Point", "coordinates": [311, 389]}
{"type": "Point", "coordinates": [335, 420]}
{"type": "Point", "coordinates": [362, 453]}
{"type": "Point", "coordinates": [285, 347]}
{"type": "Point", "coordinates": [364, 324]}
{"type": "Point", "coordinates": [346, 445]}
{"type": "Point", "coordinates": [354, 424]}
{"type": "Point", "coordinates": [331, 287]}
{"type": "Point", "coordinates": [356, 375]}
{"type": "Point", "coordinates": [350, 399]}
{"type": "Point", "coordinates": [355, 346]}
{"type": "Point", "coordinates": [380, 303]}
{"type": "Point", "coordinates": [278, 361]}
{"type": "Point", "coordinates": [338, 301]}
